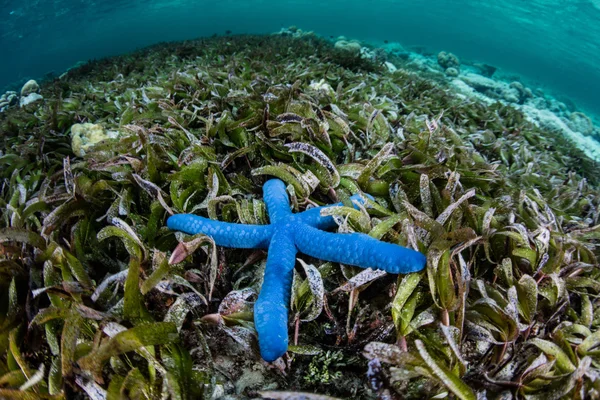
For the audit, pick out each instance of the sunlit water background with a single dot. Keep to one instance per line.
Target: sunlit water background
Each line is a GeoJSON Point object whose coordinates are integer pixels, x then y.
{"type": "Point", "coordinates": [554, 44]}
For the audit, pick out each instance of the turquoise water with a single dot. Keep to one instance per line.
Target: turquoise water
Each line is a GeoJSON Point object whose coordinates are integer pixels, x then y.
{"type": "Point", "coordinates": [550, 43]}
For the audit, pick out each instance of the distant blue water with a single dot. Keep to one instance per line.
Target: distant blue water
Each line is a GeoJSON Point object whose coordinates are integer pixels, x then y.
{"type": "Point", "coordinates": [554, 43]}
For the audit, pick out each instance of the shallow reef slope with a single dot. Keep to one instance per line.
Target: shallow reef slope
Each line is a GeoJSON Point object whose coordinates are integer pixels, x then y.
{"type": "Point", "coordinates": [100, 299]}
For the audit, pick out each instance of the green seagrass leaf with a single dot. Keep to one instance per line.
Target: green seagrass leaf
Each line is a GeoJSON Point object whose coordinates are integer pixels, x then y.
{"type": "Point", "coordinates": [553, 350]}
{"type": "Point", "coordinates": [317, 291]}
{"type": "Point", "coordinates": [405, 289]}
{"type": "Point", "coordinates": [368, 171]}
{"type": "Point", "coordinates": [527, 292]}
{"type": "Point", "coordinates": [148, 334]}
{"type": "Point", "coordinates": [22, 236]}
{"type": "Point", "coordinates": [284, 173]}
{"type": "Point", "coordinates": [133, 298]}
{"type": "Point", "coordinates": [445, 375]}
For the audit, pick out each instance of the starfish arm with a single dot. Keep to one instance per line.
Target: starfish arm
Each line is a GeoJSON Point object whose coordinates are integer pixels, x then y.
{"type": "Point", "coordinates": [358, 249]}
{"type": "Point", "coordinates": [277, 200]}
{"type": "Point", "coordinates": [271, 307]}
{"type": "Point", "coordinates": [313, 216]}
{"type": "Point", "coordinates": [224, 234]}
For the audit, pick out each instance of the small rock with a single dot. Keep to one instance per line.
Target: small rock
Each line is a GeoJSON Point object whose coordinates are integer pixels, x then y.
{"type": "Point", "coordinates": [517, 85]}
{"type": "Point", "coordinates": [30, 87]}
{"type": "Point", "coordinates": [451, 72]}
{"type": "Point", "coordinates": [352, 47]}
{"type": "Point", "coordinates": [30, 99]}
{"type": "Point", "coordinates": [367, 53]}
{"type": "Point", "coordinates": [511, 95]}
{"type": "Point", "coordinates": [562, 107]}
{"type": "Point", "coordinates": [559, 108]}
{"type": "Point", "coordinates": [83, 136]}
{"type": "Point", "coordinates": [480, 83]}
{"type": "Point", "coordinates": [448, 60]}
{"type": "Point", "coordinates": [523, 93]}
{"type": "Point", "coordinates": [556, 106]}
{"type": "Point", "coordinates": [8, 99]}
{"type": "Point", "coordinates": [390, 67]}
{"type": "Point", "coordinates": [322, 87]}
{"type": "Point", "coordinates": [12, 98]}
{"type": "Point", "coordinates": [579, 122]}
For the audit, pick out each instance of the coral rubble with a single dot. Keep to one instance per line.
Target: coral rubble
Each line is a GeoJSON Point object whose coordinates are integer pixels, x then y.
{"type": "Point", "coordinates": [83, 136]}
{"type": "Point", "coordinates": [448, 60]}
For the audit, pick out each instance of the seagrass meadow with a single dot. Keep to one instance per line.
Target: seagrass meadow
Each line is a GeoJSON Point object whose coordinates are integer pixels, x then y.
{"type": "Point", "coordinates": [100, 300]}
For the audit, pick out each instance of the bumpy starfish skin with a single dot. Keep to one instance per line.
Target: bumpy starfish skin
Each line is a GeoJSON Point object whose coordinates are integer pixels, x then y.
{"type": "Point", "coordinates": [286, 235]}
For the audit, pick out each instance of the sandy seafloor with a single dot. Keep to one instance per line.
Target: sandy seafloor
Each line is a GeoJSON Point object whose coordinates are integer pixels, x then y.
{"type": "Point", "coordinates": [472, 82]}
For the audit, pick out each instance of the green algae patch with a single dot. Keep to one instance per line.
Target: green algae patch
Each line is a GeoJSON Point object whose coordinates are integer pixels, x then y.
{"type": "Point", "coordinates": [100, 299]}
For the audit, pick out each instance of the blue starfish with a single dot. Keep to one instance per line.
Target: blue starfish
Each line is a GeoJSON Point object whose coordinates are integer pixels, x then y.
{"type": "Point", "coordinates": [286, 235]}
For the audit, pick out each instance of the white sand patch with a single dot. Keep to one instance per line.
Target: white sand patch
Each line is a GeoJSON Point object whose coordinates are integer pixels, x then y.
{"type": "Point", "coordinates": [423, 63]}
{"type": "Point", "coordinates": [490, 90]}
{"type": "Point", "coordinates": [548, 120]}
{"type": "Point", "coordinates": [465, 90]}
{"type": "Point", "coordinates": [478, 87]}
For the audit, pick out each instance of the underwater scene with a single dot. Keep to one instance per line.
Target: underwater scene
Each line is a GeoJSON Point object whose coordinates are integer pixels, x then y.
{"type": "Point", "coordinates": [299, 200]}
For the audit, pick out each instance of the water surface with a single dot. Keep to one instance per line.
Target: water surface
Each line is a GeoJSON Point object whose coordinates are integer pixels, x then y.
{"type": "Point", "coordinates": [551, 43]}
